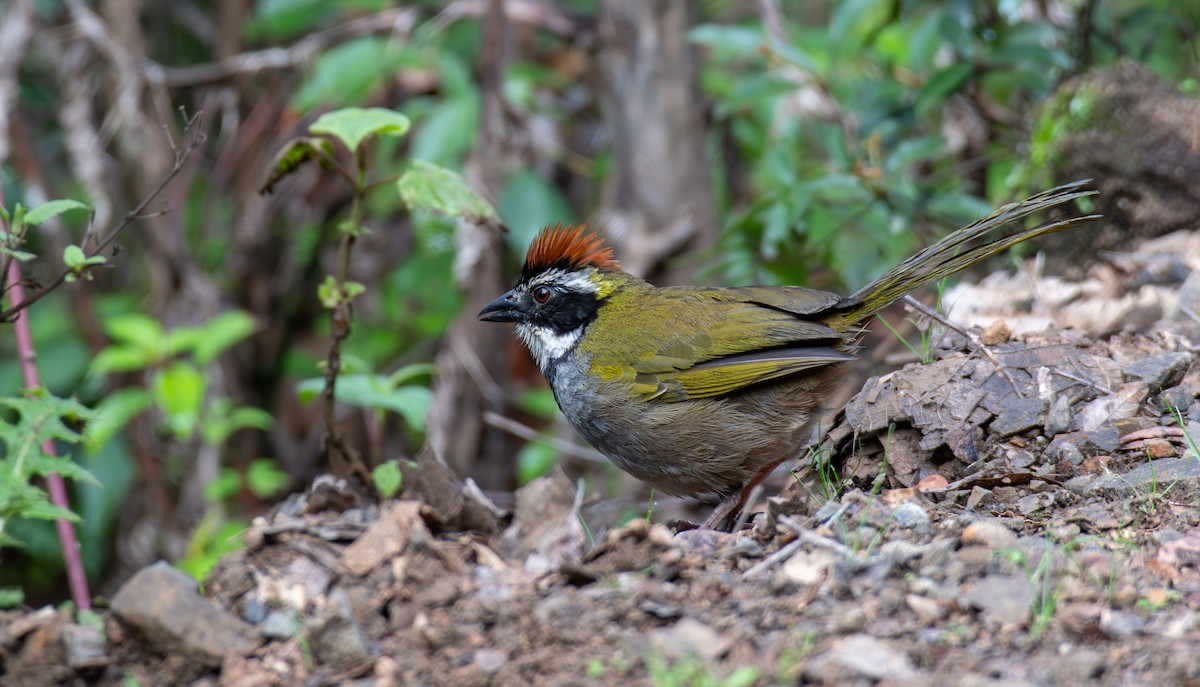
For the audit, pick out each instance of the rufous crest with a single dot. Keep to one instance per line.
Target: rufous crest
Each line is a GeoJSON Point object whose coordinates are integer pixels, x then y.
{"type": "Point", "coordinates": [567, 247]}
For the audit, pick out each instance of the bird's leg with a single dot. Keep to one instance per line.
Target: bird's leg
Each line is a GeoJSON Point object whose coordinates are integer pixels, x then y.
{"type": "Point", "coordinates": [725, 514]}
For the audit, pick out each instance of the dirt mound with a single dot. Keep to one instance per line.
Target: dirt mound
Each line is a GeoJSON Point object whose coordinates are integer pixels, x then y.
{"type": "Point", "coordinates": [1025, 517]}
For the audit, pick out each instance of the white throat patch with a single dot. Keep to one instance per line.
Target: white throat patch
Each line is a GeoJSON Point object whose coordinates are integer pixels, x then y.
{"type": "Point", "coordinates": [547, 346]}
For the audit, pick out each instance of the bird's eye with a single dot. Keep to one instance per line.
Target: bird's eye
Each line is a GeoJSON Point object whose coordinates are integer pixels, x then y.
{"type": "Point", "coordinates": [542, 294]}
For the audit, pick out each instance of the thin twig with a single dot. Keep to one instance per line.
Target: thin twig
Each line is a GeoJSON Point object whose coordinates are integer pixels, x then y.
{"type": "Point", "coordinates": [975, 340]}
{"type": "Point", "coordinates": [803, 536]}
{"type": "Point", "coordinates": [195, 138]}
{"type": "Point", "coordinates": [530, 434]}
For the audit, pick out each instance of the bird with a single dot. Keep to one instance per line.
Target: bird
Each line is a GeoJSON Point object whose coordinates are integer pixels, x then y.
{"type": "Point", "coordinates": [705, 390]}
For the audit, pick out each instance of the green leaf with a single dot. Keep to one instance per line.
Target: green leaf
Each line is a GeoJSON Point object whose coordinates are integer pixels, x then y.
{"type": "Point", "coordinates": [11, 597]}
{"type": "Point", "coordinates": [76, 259]}
{"type": "Point", "coordinates": [113, 412]}
{"type": "Point", "coordinates": [264, 479]}
{"type": "Point", "coordinates": [19, 255]}
{"type": "Point", "coordinates": [354, 124]}
{"type": "Point", "coordinates": [73, 256]}
{"type": "Point", "coordinates": [372, 391]}
{"type": "Point", "coordinates": [535, 459]}
{"type": "Point", "coordinates": [292, 156]}
{"type": "Point", "coordinates": [388, 479]}
{"type": "Point", "coordinates": [349, 72]}
{"type": "Point", "coordinates": [51, 209]}
{"type": "Point", "coordinates": [135, 328]}
{"type": "Point", "coordinates": [225, 486]}
{"type": "Point", "coordinates": [942, 85]}
{"type": "Point", "coordinates": [728, 41]}
{"type": "Point", "coordinates": [328, 292]}
{"type": "Point", "coordinates": [430, 187]}
{"type": "Point", "coordinates": [44, 510]}
{"type": "Point", "coordinates": [221, 332]}
{"type": "Point", "coordinates": [120, 359]}
{"type": "Point", "coordinates": [179, 390]}
{"type": "Point", "coordinates": [44, 464]}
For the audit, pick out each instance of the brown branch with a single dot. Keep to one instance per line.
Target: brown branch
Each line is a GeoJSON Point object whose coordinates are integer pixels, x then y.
{"type": "Point", "coordinates": [399, 21]}
{"type": "Point", "coordinates": [195, 138]}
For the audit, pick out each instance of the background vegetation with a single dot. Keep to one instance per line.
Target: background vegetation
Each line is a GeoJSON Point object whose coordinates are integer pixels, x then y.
{"type": "Point", "coordinates": [722, 140]}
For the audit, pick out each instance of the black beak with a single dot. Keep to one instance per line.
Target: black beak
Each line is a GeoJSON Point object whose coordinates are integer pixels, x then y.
{"type": "Point", "coordinates": [507, 308]}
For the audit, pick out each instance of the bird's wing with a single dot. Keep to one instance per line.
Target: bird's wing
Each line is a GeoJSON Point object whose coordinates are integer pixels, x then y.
{"type": "Point", "coordinates": [747, 335]}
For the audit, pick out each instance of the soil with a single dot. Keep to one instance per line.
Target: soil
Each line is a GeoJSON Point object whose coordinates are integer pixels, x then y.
{"type": "Point", "coordinates": [1028, 518]}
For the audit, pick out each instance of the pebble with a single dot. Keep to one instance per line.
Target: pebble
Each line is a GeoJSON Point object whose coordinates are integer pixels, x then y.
{"type": "Point", "coordinates": [1002, 599]}
{"type": "Point", "coordinates": [872, 658]}
{"type": "Point", "coordinates": [911, 516]}
{"type": "Point", "coordinates": [990, 533]}
{"type": "Point", "coordinates": [163, 603]}
{"type": "Point", "coordinates": [280, 625]}
{"type": "Point", "coordinates": [1160, 371]}
{"type": "Point", "coordinates": [1115, 623]}
{"type": "Point", "coordinates": [335, 634]}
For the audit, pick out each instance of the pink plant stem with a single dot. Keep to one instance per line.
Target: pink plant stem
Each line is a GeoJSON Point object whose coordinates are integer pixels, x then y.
{"type": "Point", "coordinates": [76, 576]}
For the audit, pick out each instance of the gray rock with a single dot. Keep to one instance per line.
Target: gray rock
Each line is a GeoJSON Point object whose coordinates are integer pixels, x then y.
{"type": "Point", "coordinates": [280, 625]}
{"type": "Point", "coordinates": [163, 604]}
{"type": "Point", "coordinates": [1160, 371]}
{"type": "Point", "coordinates": [1003, 599]}
{"type": "Point", "coordinates": [1032, 503]}
{"type": "Point", "coordinates": [872, 658]}
{"type": "Point", "coordinates": [1066, 451]}
{"type": "Point", "coordinates": [1182, 472]}
{"type": "Point", "coordinates": [689, 636]}
{"type": "Point", "coordinates": [1102, 440]}
{"type": "Point", "coordinates": [911, 516]}
{"type": "Point", "coordinates": [335, 634]}
{"type": "Point", "coordinates": [1019, 415]}
{"type": "Point", "coordinates": [1176, 398]}
{"type": "Point", "coordinates": [1058, 417]}
{"type": "Point", "coordinates": [990, 533]}
{"type": "Point", "coordinates": [85, 646]}
{"type": "Point", "coordinates": [1119, 624]}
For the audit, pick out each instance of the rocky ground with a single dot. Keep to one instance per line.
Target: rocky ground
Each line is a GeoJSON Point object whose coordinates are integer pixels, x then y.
{"type": "Point", "coordinates": [1028, 515]}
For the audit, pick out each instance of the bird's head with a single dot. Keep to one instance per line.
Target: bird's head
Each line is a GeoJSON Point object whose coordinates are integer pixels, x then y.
{"type": "Point", "coordinates": [566, 278]}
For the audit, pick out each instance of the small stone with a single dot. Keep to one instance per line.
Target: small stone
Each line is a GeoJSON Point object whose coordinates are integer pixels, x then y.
{"type": "Point", "coordinates": [978, 497]}
{"type": "Point", "coordinates": [1103, 440]}
{"type": "Point", "coordinates": [1019, 415]}
{"type": "Point", "coordinates": [280, 625]}
{"type": "Point", "coordinates": [660, 610]}
{"type": "Point", "coordinates": [1003, 599]}
{"type": "Point", "coordinates": [689, 636]}
{"type": "Point", "coordinates": [162, 602]}
{"type": "Point", "coordinates": [1184, 472]}
{"type": "Point", "coordinates": [1160, 371]}
{"type": "Point", "coordinates": [990, 533]}
{"type": "Point", "coordinates": [826, 511]}
{"type": "Point", "coordinates": [1175, 398]}
{"type": "Point", "coordinates": [490, 660]}
{"type": "Point", "coordinates": [927, 610]}
{"type": "Point", "coordinates": [1032, 503]}
{"type": "Point", "coordinates": [1058, 417]}
{"type": "Point", "coordinates": [872, 658]}
{"type": "Point", "coordinates": [996, 333]}
{"type": "Point", "coordinates": [85, 646]}
{"type": "Point", "coordinates": [809, 567]}
{"type": "Point", "coordinates": [335, 634]}
{"type": "Point", "coordinates": [910, 516]}
{"type": "Point", "coordinates": [1067, 452]}
{"type": "Point", "coordinates": [1159, 448]}
{"type": "Point", "coordinates": [1116, 623]}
